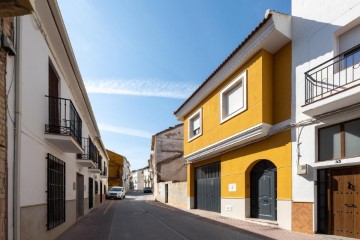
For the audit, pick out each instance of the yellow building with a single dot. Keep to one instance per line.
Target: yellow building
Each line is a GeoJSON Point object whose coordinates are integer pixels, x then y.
{"type": "Point", "coordinates": [116, 164]}
{"type": "Point", "coordinates": [237, 139]}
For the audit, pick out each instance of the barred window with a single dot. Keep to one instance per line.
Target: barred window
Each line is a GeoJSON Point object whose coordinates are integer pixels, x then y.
{"type": "Point", "coordinates": [55, 192]}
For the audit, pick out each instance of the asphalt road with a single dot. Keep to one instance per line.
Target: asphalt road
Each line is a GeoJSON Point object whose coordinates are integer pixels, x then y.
{"type": "Point", "coordinates": [139, 217]}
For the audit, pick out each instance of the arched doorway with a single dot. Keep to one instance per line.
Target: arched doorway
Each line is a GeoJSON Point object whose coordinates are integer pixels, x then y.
{"type": "Point", "coordinates": [263, 190]}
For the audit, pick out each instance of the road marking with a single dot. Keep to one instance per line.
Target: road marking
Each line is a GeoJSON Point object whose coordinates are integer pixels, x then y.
{"type": "Point", "coordinates": [108, 207]}
{"type": "Point", "coordinates": [160, 206]}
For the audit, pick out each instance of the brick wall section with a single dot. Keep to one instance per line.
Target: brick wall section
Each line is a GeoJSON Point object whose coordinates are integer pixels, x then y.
{"type": "Point", "coordinates": [6, 29]}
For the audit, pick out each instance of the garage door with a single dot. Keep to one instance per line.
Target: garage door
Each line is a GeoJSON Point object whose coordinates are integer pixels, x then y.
{"type": "Point", "coordinates": [207, 187]}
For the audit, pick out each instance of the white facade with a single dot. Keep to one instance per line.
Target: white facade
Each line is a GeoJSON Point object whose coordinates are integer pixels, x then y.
{"type": "Point", "coordinates": [42, 42]}
{"type": "Point", "coordinates": [138, 179]}
{"type": "Point", "coordinates": [148, 178]}
{"type": "Point", "coordinates": [317, 29]}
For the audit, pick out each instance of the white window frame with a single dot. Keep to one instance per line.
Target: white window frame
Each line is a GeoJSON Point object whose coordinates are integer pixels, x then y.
{"type": "Point", "coordinates": [190, 134]}
{"type": "Point", "coordinates": [241, 78]}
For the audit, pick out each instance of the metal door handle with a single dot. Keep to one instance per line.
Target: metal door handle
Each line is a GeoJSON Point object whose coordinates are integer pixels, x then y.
{"type": "Point", "coordinates": [348, 205]}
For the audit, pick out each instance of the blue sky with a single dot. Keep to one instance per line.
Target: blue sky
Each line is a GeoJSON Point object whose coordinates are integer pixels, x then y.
{"type": "Point", "coordinates": [141, 59]}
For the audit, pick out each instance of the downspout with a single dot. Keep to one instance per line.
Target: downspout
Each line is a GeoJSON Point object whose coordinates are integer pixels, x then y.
{"type": "Point", "coordinates": [17, 137]}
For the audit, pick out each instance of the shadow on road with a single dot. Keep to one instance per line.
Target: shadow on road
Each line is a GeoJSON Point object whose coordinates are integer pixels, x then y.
{"type": "Point", "coordinates": [183, 213]}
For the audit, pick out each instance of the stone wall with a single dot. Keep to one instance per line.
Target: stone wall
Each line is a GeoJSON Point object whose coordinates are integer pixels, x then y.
{"type": "Point", "coordinates": [177, 193]}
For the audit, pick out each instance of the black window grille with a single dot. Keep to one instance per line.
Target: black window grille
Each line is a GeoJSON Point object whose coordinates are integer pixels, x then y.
{"type": "Point", "coordinates": [99, 161]}
{"type": "Point", "coordinates": [96, 187]}
{"type": "Point", "coordinates": [55, 192]}
{"type": "Point", "coordinates": [104, 172]}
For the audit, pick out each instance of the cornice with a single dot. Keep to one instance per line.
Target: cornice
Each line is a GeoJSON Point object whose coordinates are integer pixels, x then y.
{"type": "Point", "coordinates": [230, 67]}
{"type": "Point", "coordinates": [256, 132]}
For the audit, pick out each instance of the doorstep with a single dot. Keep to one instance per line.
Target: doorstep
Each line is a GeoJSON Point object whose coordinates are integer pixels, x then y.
{"type": "Point", "coordinates": [269, 223]}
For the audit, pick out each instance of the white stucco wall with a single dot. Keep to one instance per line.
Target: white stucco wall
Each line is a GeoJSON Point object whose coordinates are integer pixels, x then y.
{"type": "Point", "coordinates": [34, 59]}
{"type": "Point", "coordinates": [316, 26]}
{"type": "Point", "coordinates": [138, 179]}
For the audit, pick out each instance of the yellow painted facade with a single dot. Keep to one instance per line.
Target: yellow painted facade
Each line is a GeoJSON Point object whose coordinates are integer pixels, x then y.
{"type": "Point", "coordinates": [268, 101]}
{"type": "Point", "coordinates": [116, 163]}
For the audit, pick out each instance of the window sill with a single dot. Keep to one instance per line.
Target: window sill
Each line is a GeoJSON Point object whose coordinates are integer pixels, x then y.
{"type": "Point", "coordinates": [234, 114]}
{"type": "Point", "coordinates": [194, 137]}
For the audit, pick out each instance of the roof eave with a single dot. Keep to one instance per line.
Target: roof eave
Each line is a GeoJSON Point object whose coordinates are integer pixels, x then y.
{"type": "Point", "coordinates": [271, 34]}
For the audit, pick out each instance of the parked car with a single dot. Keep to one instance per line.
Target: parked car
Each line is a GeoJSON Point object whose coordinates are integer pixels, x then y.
{"type": "Point", "coordinates": [147, 190]}
{"type": "Point", "coordinates": [116, 192]}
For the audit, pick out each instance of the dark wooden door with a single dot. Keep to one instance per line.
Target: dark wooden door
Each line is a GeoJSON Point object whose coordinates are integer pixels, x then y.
{"type": "Point", "coordinates": [263, 191]}
{"type": "Point", "coordinates": [54, 102]}
{"type": "Point", "coordinates": [166, 193]}
{"type": "Point", "coordinates": [356, 206]}
{"type": "Point", "coordinates": [53, 83]}
{"type": "Point", "coordinates": [207, 185]}
{"type": "Point", "coordinates": [344, 202]}
{"type": "Point", "coordinates": [79, 195]}
{"type": "Point", "coordinates": [91, 192]}
{"type": "Point", "coordinates": [101, 192]}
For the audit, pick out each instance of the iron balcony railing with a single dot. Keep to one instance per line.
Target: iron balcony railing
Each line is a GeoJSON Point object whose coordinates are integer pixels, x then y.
{"type": "Point", "coordinates": [104, 171]}
{"type": "Point", "coordinates": [63, 118]}
{"type": "Point", "coordinates": [97, 160]}
{"type": "Point", "coordinates": [90, 151]}
{"type": "Point", "coordinates": [333, 76]}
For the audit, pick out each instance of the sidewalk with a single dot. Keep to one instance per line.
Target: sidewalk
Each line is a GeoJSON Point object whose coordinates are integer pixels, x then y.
{"type": "Point", "coordinates": [269, 231]}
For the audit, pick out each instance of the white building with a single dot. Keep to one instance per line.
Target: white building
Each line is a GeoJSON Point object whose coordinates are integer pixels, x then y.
{"type": "Point", "coordinates": [56, 160]}
{"type": "Point", "coordinates": [326, 140]}
{"type": "Point", "coordinates": [138, 179]}
{"type": "Point", "coordinates": [148, 178]}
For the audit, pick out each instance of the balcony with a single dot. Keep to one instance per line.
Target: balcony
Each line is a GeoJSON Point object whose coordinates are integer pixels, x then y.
{"type": "Point", "coordinates": [334, 84]}
{"type": "Point", "coordinates": [88, 157]}
{"type": "Point", "coordinates": [104, 172]}
{"type": "Point", "coordinates": [98, 162]}
{"type": "Point", "coordinates": [64, 127]}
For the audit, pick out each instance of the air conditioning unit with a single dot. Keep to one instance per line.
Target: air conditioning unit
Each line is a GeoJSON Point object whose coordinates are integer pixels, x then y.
{"type": "Point", "coordinates": [302, 169]}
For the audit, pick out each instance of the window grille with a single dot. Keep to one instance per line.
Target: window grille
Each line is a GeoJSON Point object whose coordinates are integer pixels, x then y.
{"type": "Point", "coordinates": [55, 192]}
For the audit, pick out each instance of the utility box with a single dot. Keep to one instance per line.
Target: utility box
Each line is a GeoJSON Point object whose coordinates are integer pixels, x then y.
{"type": "Point", "coordinates": [302, 169]}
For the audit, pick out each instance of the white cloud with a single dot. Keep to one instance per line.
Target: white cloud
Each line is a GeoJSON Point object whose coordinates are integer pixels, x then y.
{"type": "Point", "coordinates": [154, 88]}
{"type": "Point", "coordinates": [125, 131]}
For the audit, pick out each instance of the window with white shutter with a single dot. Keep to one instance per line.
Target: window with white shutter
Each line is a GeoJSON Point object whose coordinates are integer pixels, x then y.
{"type": "Point", "coordinates": [233, 98]}
{"type": "Point", "coordinates": [195, 125]}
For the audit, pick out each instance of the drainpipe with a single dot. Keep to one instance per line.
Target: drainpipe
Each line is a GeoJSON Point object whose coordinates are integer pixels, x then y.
{"type": "Point", "coordinates": [17, 138]}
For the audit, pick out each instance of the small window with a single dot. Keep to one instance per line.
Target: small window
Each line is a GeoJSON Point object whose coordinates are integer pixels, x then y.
{"type": "Point", "coordinates": [233, 98]}
{"type": "Point", "coordinates": [340, 141]}
{"type": "Point", "coordinates": [195, 128]}
{"type": "Point", "coordinates": [55, 192]}
{"type": "Point", "coordinates": [352, 58]}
